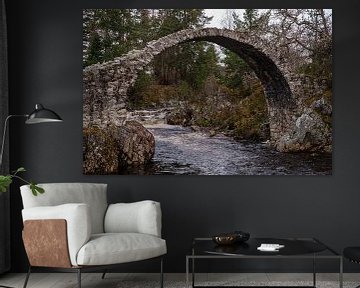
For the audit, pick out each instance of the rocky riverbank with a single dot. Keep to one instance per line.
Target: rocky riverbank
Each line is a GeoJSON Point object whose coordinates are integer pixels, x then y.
{"type": "Point", "coordinates": [109, 150]}
{"type": "Point", "coordinates": [115, 148]}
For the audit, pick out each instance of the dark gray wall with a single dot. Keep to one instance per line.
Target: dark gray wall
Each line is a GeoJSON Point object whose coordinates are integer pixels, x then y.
{"type": "Point", "coordinates": [45, 50]}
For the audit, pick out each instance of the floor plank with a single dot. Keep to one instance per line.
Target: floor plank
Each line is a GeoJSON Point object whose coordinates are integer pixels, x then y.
{"type": "Point", "coordinates": [114, 280]}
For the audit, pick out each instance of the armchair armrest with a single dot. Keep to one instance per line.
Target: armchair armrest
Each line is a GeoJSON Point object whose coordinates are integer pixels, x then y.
{"type": "Point", "coordinates": [138, 217]}
{"type": "Point", "coordinates": [78, 225]}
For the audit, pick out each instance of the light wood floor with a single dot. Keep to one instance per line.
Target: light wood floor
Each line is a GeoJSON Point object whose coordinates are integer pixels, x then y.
{"type": "Point", "coordinates": [91, 280]}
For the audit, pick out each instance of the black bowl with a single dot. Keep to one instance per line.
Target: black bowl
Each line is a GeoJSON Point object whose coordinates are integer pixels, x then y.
{"type": "Point", "coordinates": [241, 236]}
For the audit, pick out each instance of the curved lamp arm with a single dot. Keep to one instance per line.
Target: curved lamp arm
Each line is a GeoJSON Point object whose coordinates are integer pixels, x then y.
{"type": "Point", "coordinates": [39, 115]}
{"type": "Point", "coordinates": [4, 134]}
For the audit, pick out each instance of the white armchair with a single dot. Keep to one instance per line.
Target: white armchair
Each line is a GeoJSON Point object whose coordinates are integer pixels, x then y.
{"type": "Point", "coordinates": [72, 228]}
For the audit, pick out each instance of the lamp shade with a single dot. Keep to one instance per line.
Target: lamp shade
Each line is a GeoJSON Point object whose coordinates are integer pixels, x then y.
{"type": "Point", "coordinates": [42, 115]}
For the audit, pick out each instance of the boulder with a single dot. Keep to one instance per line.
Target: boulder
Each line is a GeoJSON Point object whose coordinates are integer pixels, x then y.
{"type": "Point", "coordinates": [136, 144]}
{"type": "Point", "coordinates": [212, 133]}
{"type": "Point", "coordinates": [100, 151]}
{"type": "Point", "coordinates": [116, 148]}
{"type": "Point", "coordinates": [322, 107]}
{"type": "Point", "coordinates": [310, 133]}
{"type": "Point", "coordinates": [182, 116]}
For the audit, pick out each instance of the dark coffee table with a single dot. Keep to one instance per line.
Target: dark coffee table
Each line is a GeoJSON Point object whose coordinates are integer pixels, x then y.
{"type": "Point", "coordinates": [294, 248]}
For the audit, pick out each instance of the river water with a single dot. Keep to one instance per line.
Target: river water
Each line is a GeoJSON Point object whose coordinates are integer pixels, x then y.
{"type": "Point", "coordinates": [179, 150]}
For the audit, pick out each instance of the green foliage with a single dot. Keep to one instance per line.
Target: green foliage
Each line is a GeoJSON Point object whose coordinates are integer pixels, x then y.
{"type": "Point", "coordinates": [206, 64]}
{"type": "Point", "coordinates": [94, 52]}
{"type": "Point", "coordinates": [320, 66]}
{"type": "Point", "coordinates": [250, 21]}
{"type": "Point", "coordinates": [243, 119]}
{"type": "Point", "coordinates": [109, 33]}
{"type": "Point", "coordinates": [180, 62]}
{"type": "Point", "coordinates": [6, 180]}
{"type": "Point", "coordinates": [184, 91]}
{"type": "Point", "coordinates": [253, 21]}
{"type": "Point", "coordinates": [139, 92]}
{"type": "Point", "coordinates": [251, 116]}
{"type": "Point", "coordinates": [155, 95]}
{"type": "Point", "coordinates": [20, 169]}
{"type": "Point", "coordinates": [172, 20]}
{"type": "Point", "coordinates": [235, 68]}
{"type": "Point", "coordinates": [36, 189]}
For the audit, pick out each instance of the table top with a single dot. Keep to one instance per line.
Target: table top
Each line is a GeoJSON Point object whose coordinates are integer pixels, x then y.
{"type": "Point", "coordinates": [292, 247]}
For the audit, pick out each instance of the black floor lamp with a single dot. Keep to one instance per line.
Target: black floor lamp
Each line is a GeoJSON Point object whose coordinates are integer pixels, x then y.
{"type": "Point", "coordinates": [39, 115]}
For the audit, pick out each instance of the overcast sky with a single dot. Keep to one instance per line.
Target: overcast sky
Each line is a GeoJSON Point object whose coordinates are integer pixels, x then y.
{"type": "Point", "coordinates": [219, 15]}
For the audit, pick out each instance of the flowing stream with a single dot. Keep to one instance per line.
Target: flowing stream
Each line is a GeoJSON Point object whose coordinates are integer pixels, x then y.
{"type": "Point", "coordinates": [179, 150]}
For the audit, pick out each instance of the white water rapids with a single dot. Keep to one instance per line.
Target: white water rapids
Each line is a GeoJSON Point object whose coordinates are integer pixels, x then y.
{"type": "Point", "coordinates": [179, 150]}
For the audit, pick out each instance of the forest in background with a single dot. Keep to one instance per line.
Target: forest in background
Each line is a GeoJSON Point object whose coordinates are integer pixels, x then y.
{"type": "Point", "coordinates": [210, 86]}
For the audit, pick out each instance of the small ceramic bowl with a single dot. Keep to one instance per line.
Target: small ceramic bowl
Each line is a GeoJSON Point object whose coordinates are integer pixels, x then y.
{"type": "Point", "coordinates": [225, 239]}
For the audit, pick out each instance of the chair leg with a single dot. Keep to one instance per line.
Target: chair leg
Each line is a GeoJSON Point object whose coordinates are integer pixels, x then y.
{"type": "Point", "coordinates": [79, 277]}
{"type": "Point", "coordinates": [103, 275]}
{"type": "Point", "coordinates": [27, 277]}
{"type": "Point", "coordinates": [161, 273]}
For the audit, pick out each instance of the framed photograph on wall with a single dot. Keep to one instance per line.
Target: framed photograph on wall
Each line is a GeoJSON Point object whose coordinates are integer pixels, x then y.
{"type": "Point", "coordinates": [207, 91]}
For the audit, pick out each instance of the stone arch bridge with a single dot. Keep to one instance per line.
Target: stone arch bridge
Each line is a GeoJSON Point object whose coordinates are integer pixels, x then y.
{"type": "Point", "coordinates": [106, 85]}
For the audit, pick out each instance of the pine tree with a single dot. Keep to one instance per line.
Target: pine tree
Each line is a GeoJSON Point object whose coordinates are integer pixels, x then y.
{"type": "Point", "coordinates": [176, 62]}
{"type": "Point", "coordinates": [253, 22]}
{"type": "Point", "coordinates": [94, 53]}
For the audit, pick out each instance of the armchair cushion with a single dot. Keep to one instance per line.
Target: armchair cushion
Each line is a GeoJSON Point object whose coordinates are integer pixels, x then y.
{"type": "Point", "coordinates": [92, 194]}
{"type": "Point", "coordinates": [138, 217]}
{"type": "Point", "coordinates": [113, 248]}
{"type": "Point", "coordinates": [77, 218]}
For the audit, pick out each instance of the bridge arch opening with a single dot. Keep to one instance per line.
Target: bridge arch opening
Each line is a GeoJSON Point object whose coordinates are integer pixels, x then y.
{"type": "Point", "coordinates": [275, 85]}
